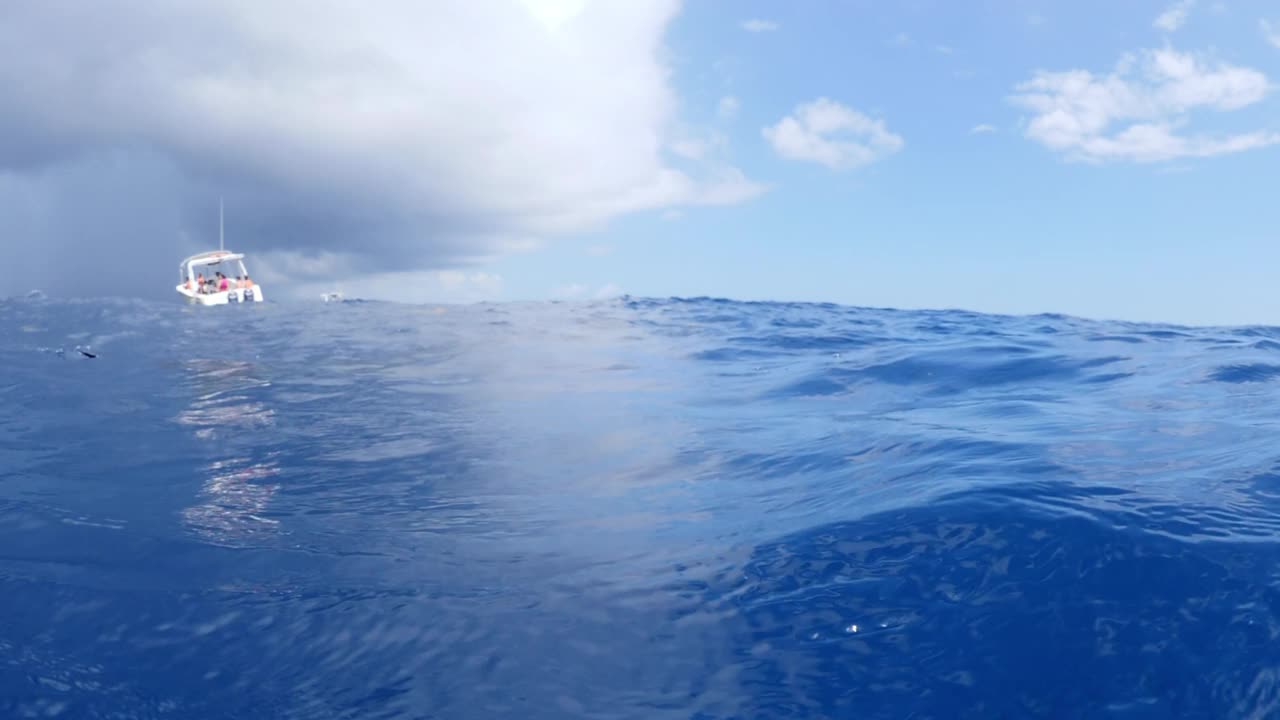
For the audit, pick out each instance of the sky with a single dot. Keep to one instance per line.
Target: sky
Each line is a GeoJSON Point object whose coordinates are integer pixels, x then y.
{"type": "Point", "coordinates": [1102, 159]}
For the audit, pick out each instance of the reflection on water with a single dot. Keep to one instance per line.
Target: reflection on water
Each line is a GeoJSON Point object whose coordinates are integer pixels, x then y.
{"type": "Point", "coordinates": [227, 413]}
{"type": "Point", "coordinates": [223, 398]}
{"type": "Point", "coordinates": [235, 498]}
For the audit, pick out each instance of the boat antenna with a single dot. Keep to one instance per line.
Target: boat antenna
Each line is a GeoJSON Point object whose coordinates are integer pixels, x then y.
{"type": "Point", "coordinates": [220, 224]}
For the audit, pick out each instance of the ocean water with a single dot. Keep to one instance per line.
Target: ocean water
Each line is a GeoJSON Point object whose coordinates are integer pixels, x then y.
{"type": "Point", "coordinates": [633, 509]}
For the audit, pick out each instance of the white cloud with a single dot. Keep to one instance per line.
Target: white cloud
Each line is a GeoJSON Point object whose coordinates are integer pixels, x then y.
{"type": "Point", "coordinates": [728, 186]}
{"type": "Point", "coordinates": [982, 129]}
{"type": "Point", "coordinates": [1174, 16]}
{"type": "Point", "coordinates": [691, 148]}
{"type": "Point", "coordinates": [725, 184]}
{"type": "Point", "coordinates": [553, 14]}
{"type": "Point", "coordinates": [1139, 112]}
{"type": "Point", "coordinates": [828, 133]}
{"type": "Point", "coordinates": [1270, 32]}
{"type": "Point", "coordinates": [944, 49]}
{"type": "Point", "coordinates": [728, 107]}
{"type": "Point", "coordinates": [757, 25]}
{"type": "Point", "coordinates": [342, 134]}
{"type": "Point", "coordinates": [902, 40]}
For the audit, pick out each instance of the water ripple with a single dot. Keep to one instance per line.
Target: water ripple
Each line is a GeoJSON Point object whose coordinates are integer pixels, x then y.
{"type": "Point", "coordinates": [639, 508]}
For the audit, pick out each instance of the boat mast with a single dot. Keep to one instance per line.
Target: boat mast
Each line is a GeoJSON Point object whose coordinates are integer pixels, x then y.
{"type": "Point", "coordinates": [220, 223]}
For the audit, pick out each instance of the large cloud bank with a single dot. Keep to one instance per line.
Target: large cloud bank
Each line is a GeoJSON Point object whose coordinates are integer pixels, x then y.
{"type": "Point", "coordinates": [346, 137]}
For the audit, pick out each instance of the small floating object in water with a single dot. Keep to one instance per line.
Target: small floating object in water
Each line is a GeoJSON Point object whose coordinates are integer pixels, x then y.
{"type": "Point", "coordinates": [84, 352]}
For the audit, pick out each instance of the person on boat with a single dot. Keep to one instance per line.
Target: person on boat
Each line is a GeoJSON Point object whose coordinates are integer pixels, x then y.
{"type": "Point", "coordinates": [247, 282]}
{"type": "Point", "coordinates": [199, 283]}
{"type": "Point", "coordinates": [223, 285]}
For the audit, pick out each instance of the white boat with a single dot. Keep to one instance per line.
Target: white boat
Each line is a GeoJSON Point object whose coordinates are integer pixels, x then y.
{"type": "Point", "coordinates": [239, 286]}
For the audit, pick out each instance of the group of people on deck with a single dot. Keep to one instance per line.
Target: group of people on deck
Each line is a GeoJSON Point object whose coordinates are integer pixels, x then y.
{"type": "Point", "coordinates": [219, 283]}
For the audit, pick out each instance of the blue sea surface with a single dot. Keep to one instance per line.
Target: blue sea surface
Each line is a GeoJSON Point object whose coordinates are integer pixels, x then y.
{"type": "Point", "coordinates": [633, 509]}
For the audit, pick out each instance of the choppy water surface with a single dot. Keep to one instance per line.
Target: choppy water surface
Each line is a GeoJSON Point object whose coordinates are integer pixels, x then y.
{"type": "Point", "coordinates": [633, 509]}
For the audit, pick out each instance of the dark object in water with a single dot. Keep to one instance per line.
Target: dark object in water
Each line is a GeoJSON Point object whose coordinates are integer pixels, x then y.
{"type": "Point", "coordinates": [87, 354]}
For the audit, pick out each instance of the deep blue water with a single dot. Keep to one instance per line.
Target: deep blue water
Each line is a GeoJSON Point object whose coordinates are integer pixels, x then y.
{"type": "Point", "coordinates": [633, 509]}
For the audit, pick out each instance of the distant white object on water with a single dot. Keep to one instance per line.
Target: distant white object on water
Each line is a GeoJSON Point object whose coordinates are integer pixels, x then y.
{"type": "Point", "coordinates": [240, 289]}
{"type": "Point", "coordinates": [332, 296]}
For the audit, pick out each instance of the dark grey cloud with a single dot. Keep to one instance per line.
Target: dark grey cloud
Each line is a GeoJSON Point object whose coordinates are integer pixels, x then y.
{"type": "Point", "coordinates": [386, 136]}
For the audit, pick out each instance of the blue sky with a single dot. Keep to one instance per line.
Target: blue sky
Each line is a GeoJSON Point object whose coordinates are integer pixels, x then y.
{"type": "Point", "coordinates": [1105, 159]}
{"type": "Point", "coordinates": [992, 220]}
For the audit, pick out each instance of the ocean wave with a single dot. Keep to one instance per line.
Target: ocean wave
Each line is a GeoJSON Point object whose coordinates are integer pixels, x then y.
{"type": "Point", "coordinates": [636, 507]}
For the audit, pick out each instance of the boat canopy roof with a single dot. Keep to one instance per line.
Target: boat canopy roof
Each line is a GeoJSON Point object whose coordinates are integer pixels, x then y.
{"type": "Point", "coordinates": [213, 257]}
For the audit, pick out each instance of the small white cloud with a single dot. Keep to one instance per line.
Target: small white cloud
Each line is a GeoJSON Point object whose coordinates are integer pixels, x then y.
{"type": "Point", "coordinates": [828, 133]}
{"type": "Point", "coordinates": [726, 186]}
{"type": "Point", "coordinates": [1138, 111]}
{"type": "Point", "coordinates": [1036, 20]}
{"type": "Point", "coordinates": [944, 49]}
{"type": "Point", "coordinates": [1270, 32]}
{"type": "Point", "coordinates": [982, 129]}
{"type": "Point", "coordinates": [902, 40]}
{"type": "Point", "coordinates": [757, 25]}
{"type": "Point", "coordinates": [1174, 16]}
{"type": "Point", "coordinates": [719, 183]}
{"type": "Point", "coordinates": [728, 107]}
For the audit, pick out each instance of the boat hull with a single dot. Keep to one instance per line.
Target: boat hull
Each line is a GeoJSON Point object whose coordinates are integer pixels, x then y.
{"type": "Point", "coordinates": [225, 297]}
